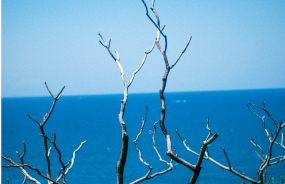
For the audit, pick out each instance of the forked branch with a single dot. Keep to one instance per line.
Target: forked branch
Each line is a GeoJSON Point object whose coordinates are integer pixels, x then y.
{"type": "Point", "coordinates": [267, 160]}
{"type": "Point", "coordinates": [64, 166]}
{"type": "Point", "coordinates": [45, 119]}
{"type": "Point", "coordinates": [22, 166]}
{"type": "Point", "coordinates": [125, 138]}
{"type": "Point", "coordinates": [148, 176]}
{"type": "Point", "coordinates": [203, 151]}
{"type": "Point", "coordinates": [164, 81]}
{"type": "Point", "coordinates": [22, 159]}
{"type": "Point", "coordinates": [71, 162]}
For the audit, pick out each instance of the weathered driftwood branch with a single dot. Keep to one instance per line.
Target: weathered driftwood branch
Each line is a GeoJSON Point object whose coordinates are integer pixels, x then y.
{"type": "Point", "coordinates": [148, 176]}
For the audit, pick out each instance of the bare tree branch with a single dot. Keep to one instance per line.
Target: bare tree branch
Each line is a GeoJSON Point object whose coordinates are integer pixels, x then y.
{"type": "Point", "coordinates": [147, 176]}
{"type": "Point", "coordinates": [203, 151]}
{"type": "Point", "coordinates": [106, 46]}
{"type": "Point", "coordinates": [49, 90]}
{"type": "Point", "coordinates": [72, 161]}
{"type": "Point", "coordinates": [125, 138]}
{"type": "Point", "coordinates": [184, 143]}
{"type": "Point", "coordinates": [123, 156]}
{"type": "Point", "coordinates": [59, 94]}
{"type": "Point", "coordinates": [140, 158]}
{"type": "Point", "coordinates": [22, 160]}
{"type": "Point", "coordinates": [281, 159]}
{"type": "Point", "coordinates": [281, 142]}
{"type": "Point", "coordinates": [154, 147]}
{"type": "Point", "coordinates": [267, 160]}
{"type": "Point", "coordinates": [182, 52]}
{"type": "Point", "coordinates": [195, 168]}
{"type": "Point", "coordinates": [252, 141]}
{"type": "Point", "coordinates": [272, 140]}
{"type": "Point", "coordinates": [53, 104]}
{"type": "Point", "coordinates": [157, 25]}
{"type": "Point", "coordinates": [143, 61]}
{"type": "Point", "coordinates": [232, 170]}
{"type": "Point", "coordinates": [227, 158]}
{"type": "Point", "coordinates": [60, 160]}
{"type": "Point", "coordinates": [34, 120]}
{"type": "Point", "coordinates": [264, 109]}
{"type": "Point", "coordinates": [25, 172]}
{"type": "Point", "coordinates": [207, 157]}
{"type": "Point", "coordinates": [45, 119]}
{"type": "Point", "coordinates": [24, 152]}
{"type": "Point", "coordinates": [46, 152]}
{"type": "Point", "coordinates": [269, 179]}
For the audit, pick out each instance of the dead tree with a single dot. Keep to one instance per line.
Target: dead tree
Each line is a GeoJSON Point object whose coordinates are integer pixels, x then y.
{"type": "Point", "coordinates": [125, 138]}
{"type": "Point", "coordinates": [65, 167]}
{"type": "Point", "coordinates": [121, 163]}
{"type": "Point", "coordinates": [148, 176]}
{"type": "Point", "coordinates": [267, 160]}
{"type": "Point", "coordinates": [195, 168]}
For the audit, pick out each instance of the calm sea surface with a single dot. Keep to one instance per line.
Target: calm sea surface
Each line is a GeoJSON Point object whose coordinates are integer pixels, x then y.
{"type": "Point", "coordinates": [95, 119]}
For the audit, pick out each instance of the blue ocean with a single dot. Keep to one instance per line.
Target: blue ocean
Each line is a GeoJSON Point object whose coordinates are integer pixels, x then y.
{"type": "Point", "coordinates": [95, 119]}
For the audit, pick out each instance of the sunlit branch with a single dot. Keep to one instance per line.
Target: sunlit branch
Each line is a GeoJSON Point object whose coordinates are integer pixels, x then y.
{"type": "Point", "coordinates": [146, 177]}
{"type": "Point", "coordinates": [22, 160]}
{"type": "Point", "coordinates": [143, 61]}
{"type": "Point", "coordinates": [182, 52]}
{"type": "Point", "coordinates": [70, 162]}
{"type": "Point", "coordinates": [264, 109]}
{"type": "Point", "coordinates": [252, 141]}
{"type": "Point", "coordinates": [21, 166]}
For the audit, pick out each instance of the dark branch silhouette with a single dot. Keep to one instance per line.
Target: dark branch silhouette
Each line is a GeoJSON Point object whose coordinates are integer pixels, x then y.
{"type": "Point", "coordinates": [22, 166]}
{"type": "Point", "coordinates": [267, 160]}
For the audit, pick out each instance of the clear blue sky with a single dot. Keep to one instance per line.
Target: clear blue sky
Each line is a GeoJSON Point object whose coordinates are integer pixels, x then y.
{"type": "Point", "coordinates": [236, 44]}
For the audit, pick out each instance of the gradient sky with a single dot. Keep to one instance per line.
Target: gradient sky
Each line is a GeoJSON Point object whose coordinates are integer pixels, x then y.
{"type": "Point", "coordinates": [235, 44]}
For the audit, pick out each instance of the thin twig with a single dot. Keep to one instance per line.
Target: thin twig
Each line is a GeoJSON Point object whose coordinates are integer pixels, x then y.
{"type": "Point", "coordinates": [146, 177]}
{"type": "Point", "coordinates": [182, 52]}
{"type": "Point", "coordinates": [25, 172]}
{"type": "Point", "coordinates": [252, 141]}
{"type": "Point", "coordinates": [227, 158]}
{"type": "Point", "coordinates": [72, 161]}
{"type": "Point", "coordinates": [264, 109]}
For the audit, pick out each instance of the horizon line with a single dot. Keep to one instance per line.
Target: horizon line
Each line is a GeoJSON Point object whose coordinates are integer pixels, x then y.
{"type": "Point", "coordinates": [100, 94]}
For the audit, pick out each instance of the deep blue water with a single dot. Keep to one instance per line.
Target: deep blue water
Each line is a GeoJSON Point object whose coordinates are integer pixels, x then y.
{"type": "Point", "coordinates": [95, 119]}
